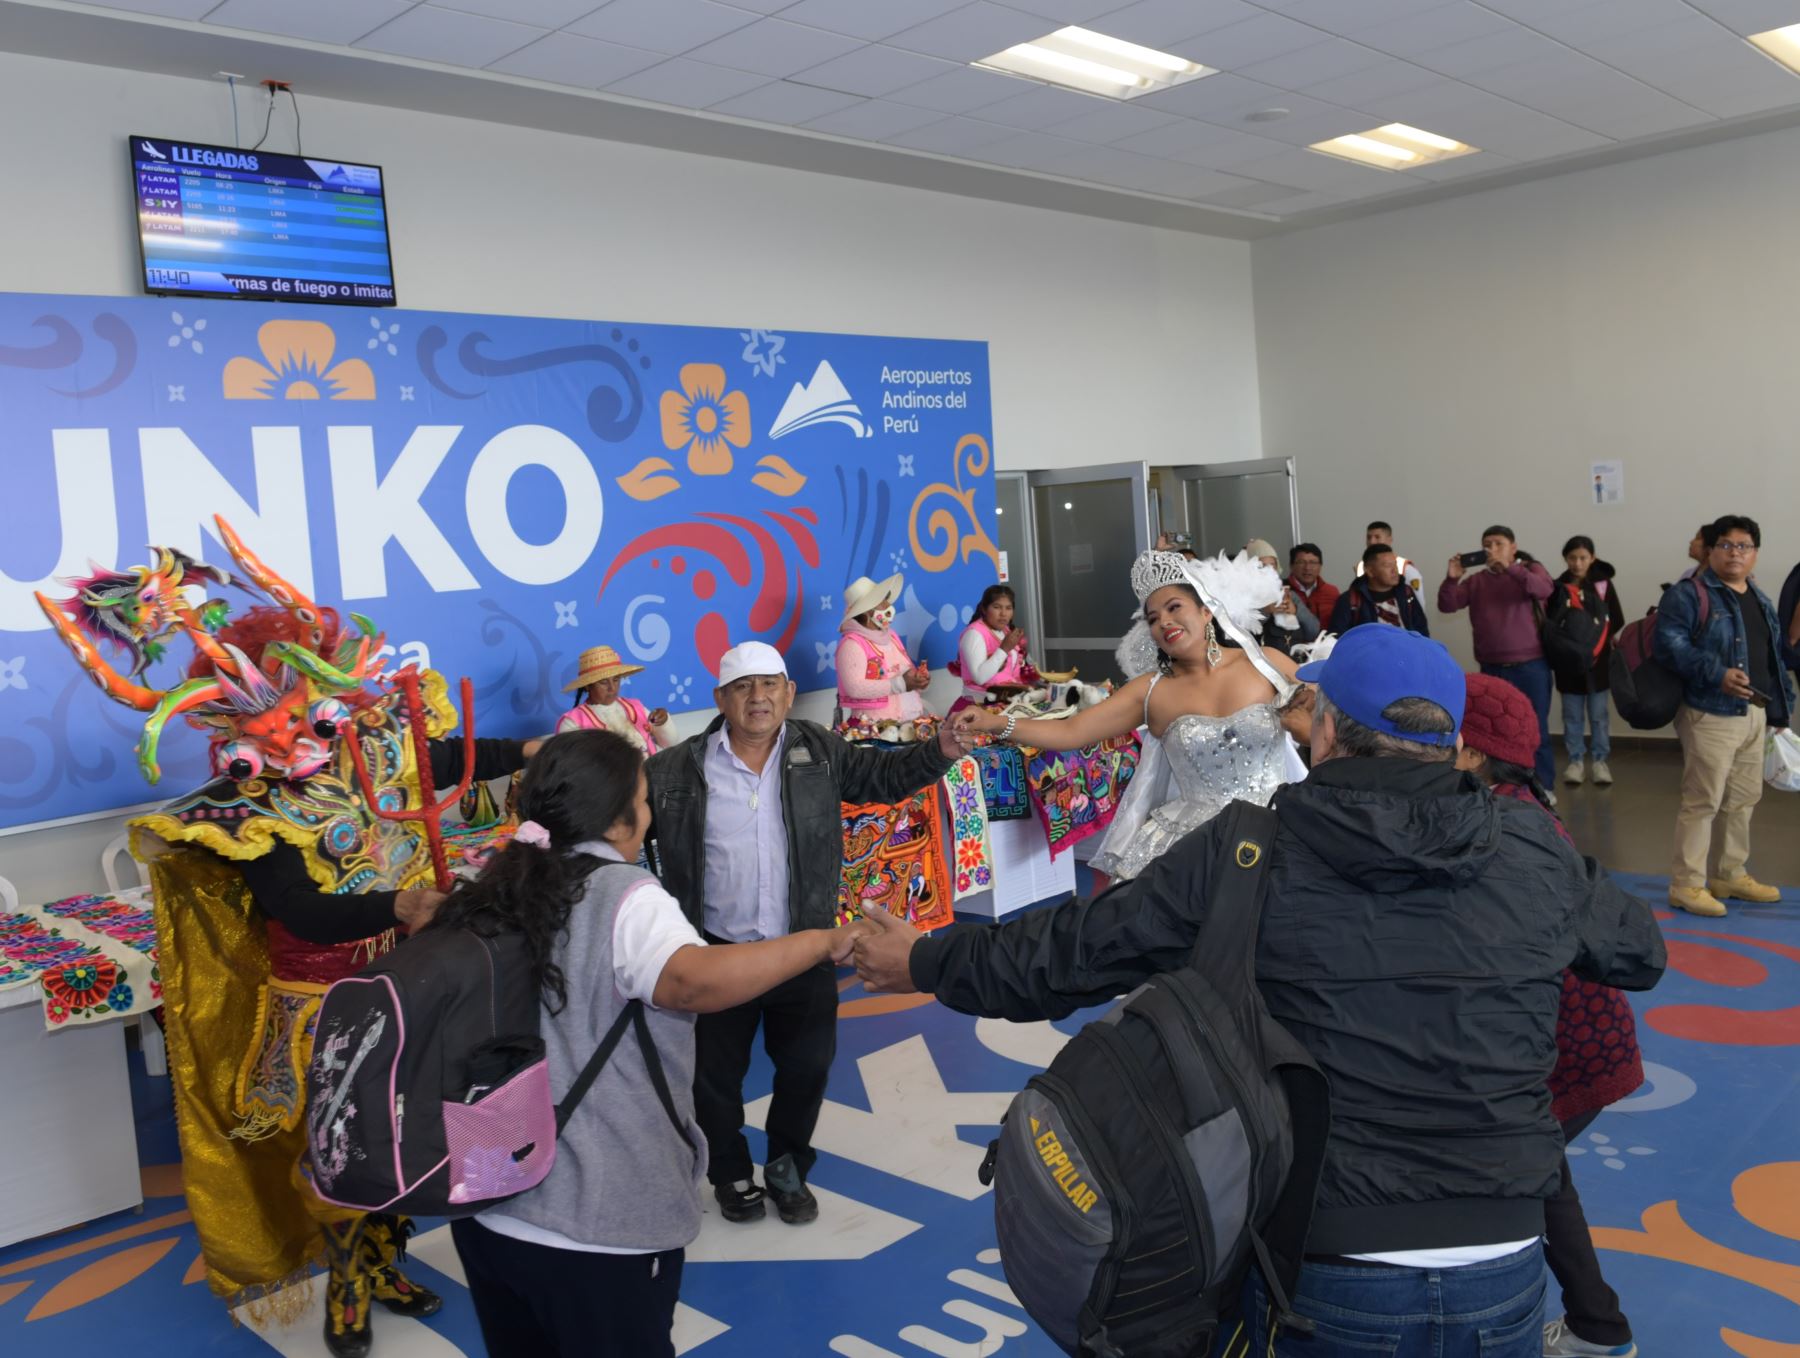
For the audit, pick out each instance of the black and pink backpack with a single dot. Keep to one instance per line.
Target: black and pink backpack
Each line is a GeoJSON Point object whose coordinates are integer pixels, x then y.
{"type": "Point", "coordinates": [428, 1092]}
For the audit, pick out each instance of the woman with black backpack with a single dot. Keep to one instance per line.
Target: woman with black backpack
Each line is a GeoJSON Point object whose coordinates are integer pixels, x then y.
{"type": "Point", "coordinates": [1584, 617]}
{"type": "Point", "coordinates": [589, 1262]}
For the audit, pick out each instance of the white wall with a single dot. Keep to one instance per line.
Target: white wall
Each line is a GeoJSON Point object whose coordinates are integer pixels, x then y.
{"type": "Point", "coordinates": [1463, 362]}
{"type": "Point", "coordinates": [1105, 340]}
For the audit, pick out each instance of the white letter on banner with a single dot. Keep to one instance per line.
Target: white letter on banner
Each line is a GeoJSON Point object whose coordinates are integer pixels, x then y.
{"type": "Point", "coordinates": [90, 524]}
{"type": "Point", "coordinates": [528, 445]}
{"type": "Point", "coordinates": [371, 510]}
{"type": "Point", "coordinates": [182, 491]}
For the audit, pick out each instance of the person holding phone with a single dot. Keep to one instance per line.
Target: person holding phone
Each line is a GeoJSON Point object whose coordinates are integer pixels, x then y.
{"type": "Point", "coordinates": [1735, 692]}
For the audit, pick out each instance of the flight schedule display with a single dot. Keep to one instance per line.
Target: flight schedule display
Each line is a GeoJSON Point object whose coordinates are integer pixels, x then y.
{"type": "Point", "coordinates": [218, 221]}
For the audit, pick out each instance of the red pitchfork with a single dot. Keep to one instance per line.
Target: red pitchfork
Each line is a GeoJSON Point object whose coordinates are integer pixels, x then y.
{"type": "Point", "coordinates": [430, 811]}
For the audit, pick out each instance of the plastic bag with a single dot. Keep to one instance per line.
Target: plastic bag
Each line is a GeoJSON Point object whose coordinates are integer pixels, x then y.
{"type": "Point", "coordinates": [1781, 761]}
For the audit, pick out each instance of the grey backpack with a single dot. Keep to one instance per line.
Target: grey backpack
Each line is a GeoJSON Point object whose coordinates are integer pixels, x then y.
{"type": "Point", "coordinates": [1169, 1145]}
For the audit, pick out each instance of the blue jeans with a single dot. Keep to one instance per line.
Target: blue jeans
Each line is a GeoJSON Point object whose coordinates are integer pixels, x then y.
{"type": "Point", "coordinates": [1491, 1310]}
{"type": "Point", "coordinates": [1532, 678]}
{"type": "Point", "coordinates": [1591, 710]}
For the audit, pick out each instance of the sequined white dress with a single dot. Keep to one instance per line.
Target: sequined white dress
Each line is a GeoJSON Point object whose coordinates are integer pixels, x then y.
{"type": "Point", "coordinates": [1202, 766]}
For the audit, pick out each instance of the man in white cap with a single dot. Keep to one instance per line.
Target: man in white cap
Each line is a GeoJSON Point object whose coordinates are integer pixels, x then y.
{"type": "Point", "coordinates": [748, 826]}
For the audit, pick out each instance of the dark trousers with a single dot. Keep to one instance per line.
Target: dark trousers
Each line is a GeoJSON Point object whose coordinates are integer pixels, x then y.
{"type": "Point", "coordinates": [1591, 1306]}
{"type": "Point", "coordinates": [1532, 678]}
{"type": "Point", "coordinates": [799, 1028]}
{"type": "Point", "coordinates": [534, 1301]}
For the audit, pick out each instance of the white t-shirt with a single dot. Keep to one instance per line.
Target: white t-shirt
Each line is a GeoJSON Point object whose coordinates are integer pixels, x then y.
{"type": "Point", "coordinates": [648, 930]}
{"type": "Point", "coordinates": [1451, 1256]}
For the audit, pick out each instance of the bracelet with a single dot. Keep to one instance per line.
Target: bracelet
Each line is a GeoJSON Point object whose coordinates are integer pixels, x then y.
{"type": "Point", "coordinates": [1007, 730]}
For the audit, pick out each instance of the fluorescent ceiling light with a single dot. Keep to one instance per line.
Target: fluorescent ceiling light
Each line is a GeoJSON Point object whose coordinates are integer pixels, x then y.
{"type": "Point", "coordinates": [1393, 147]}
{"type": "Point", "coordinates": [1094, 63]}
{"type": "Point", "coordinates": [1781, 43]}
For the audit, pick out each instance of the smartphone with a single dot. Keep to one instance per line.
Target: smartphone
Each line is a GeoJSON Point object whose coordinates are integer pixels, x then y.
{"type": "Point", "coordinates": [1471, 560]}
{"type": "Point", "coordinates": [1759, 698]}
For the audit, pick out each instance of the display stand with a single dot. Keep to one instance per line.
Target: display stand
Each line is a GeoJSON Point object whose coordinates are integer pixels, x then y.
{"type": "Point", "coordinates": [1024, 872]}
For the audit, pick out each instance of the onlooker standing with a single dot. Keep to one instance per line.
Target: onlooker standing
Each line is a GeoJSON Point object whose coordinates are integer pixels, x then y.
{"type": "Point", "coordinates": [1597, 1058]}
{"type": "Point", "coordinates": [1587, 585]}
{"type": "Point", "coordinates": [1503, 599]}
{"type": "Point", "coordinates": [1310, 587]}
{"type": "Point", "coordinates": [1378, 594]}
{"type": "Point", "coordinates": [1736, 691]}
{"type": "Point", "coordinates": [1698, 547]}
{"type": "Point", "coordinates": [1788, 613]}
{"type": "Point", "coordinates": [1295, 623]}
{"type": "Point", "coordinates": [1379, 534]}
{"type": "Point", "coordinates": [749, 826]}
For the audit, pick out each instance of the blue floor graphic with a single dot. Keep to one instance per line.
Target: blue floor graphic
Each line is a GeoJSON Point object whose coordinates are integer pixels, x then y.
{"type": "Point", "coordinates": [1692, 1187]}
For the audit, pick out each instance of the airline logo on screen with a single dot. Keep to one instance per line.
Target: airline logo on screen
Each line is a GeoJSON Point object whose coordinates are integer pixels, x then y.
{"type": "Point", "coordinates": [202, 155]}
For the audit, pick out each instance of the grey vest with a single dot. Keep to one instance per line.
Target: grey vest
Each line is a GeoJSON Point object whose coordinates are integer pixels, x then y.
{"type": "Point", "coordinates": [622, 1179]}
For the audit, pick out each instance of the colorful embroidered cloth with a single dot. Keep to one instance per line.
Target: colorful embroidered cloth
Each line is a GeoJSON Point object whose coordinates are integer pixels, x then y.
{"type": "Point", "coordinates": [1077, 792]}
{"type": "Point", "coordinates": [971, 859]}
{"type": "Point", "coordinates": [94, 956]}
{"type": "Point", "coordinates": [1003, 782]}
{"type": "Point", "coordinates": [467, 848]}
{"type": "Point", "coordinates": [894, 859]}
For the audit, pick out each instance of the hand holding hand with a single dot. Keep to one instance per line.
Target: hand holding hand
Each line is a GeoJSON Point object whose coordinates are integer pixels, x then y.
{"type": "Point", "coordinates": [954, 739]}
{"type": "Point", "coordinates": [1736, 684]}
{"type": "Point", "coordinates": [883, 953]}
{"type": "Point", "coordinates": [416, 907]}
{"type": "Point", "coordinates": [840, 942]}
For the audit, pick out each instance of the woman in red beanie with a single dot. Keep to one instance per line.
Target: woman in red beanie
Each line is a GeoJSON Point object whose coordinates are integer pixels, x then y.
{"type": "Point", "coordinates": [1597, 1061]}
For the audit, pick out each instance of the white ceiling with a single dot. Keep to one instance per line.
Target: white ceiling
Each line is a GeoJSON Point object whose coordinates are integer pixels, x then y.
{"type": "Point", "coordinates": [1539, 86]}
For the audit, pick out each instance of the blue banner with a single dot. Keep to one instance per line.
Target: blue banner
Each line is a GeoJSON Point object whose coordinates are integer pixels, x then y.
{"type": "Point", "coordinates": [496, 492]}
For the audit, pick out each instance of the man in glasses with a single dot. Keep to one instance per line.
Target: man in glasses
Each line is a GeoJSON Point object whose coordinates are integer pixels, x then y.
{"type": "Point", "coordinates": [748, 823]}
{"type": "Point", "coordinates": [1719, 632]}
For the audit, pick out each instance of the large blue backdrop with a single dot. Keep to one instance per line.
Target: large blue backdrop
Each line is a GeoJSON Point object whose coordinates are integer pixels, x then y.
{"type": "Point", "coordinates": [496, 492]}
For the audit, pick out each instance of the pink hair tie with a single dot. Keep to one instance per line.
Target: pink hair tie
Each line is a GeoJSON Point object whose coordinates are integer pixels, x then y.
{"type": "Point", "coordinates": [530, 832]}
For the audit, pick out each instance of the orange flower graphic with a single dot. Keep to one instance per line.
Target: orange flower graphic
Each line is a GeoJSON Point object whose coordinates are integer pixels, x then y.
{"type": "Point", "coordinates": [298, 367]}
{"type": "Point", "coordinates": [705, 418]}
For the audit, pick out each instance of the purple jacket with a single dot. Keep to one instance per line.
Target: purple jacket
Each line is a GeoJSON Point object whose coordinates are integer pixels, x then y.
{"type": "Point", "coordinates": [1501, 610]}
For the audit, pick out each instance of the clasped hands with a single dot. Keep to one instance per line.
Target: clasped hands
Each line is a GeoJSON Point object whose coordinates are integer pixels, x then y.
{"type": "Point", "coordinates": [881, 946]}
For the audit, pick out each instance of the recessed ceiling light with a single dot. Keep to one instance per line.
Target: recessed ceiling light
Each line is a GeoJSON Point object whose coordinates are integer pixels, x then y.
{"type": "Point", "coordinates": [1094, 63]}
{"type": "Point", "coordinates": [1781, 43]}
{"type": "Point", "coordinates": [1394, 147]}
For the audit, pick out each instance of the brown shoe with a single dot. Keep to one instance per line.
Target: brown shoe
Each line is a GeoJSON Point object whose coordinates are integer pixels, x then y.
{"type": "Point", "coordinates": [1743, 887]}
{"type": "Point", "coordinates": [1696, 900]}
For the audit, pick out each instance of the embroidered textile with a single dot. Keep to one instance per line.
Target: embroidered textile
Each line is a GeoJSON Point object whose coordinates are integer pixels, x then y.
{"type": "Point", "coordinates": [1077, 792]}
{"type": "Point", "coordinates": [894, 859]}
{"type": "Point", "coordinates": [1003, 785]}
{"type": "Point", "coordinates": [971, 860]}
{"type": "Point", "coordinates": [94, 956]}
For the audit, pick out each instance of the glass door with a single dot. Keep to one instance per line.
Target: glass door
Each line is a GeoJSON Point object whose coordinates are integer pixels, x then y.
{"type": "Point", "coordinates": [1012, 502]}
{"type": "Point", "coordinates": [1088, 525]}
{"type": "Point", "coordinates": [1228, 503]}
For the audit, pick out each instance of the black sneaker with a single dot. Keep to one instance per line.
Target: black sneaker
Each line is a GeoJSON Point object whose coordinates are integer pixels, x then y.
{"type": "Point", "coordinates": [793, 1199]}
{"type": "Point", "coordinates": [740, 1202]}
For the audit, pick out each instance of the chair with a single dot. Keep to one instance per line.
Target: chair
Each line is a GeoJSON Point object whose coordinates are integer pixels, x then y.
{"type": "Point", "coordinates": [109, 864]}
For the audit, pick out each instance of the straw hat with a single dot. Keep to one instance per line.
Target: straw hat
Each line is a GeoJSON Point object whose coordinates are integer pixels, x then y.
{"type": "Point", "coordinates": [863, 594]}
{"type": "Point", "coordinates": [600, 662]}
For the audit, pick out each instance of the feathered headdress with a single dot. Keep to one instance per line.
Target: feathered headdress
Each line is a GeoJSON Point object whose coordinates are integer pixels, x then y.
{"type": "Point", "coordinates": [1235, 590]}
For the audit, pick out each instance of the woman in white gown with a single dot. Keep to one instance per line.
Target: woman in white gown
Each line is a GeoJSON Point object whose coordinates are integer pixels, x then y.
{"type": "Point", "coordinates": [1212, 697]}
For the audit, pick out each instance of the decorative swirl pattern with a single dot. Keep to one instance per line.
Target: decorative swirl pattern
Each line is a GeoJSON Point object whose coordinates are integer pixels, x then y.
{"type": "Point", "coordinates": [613, 411]}
{"type": "Point", "coordinates": [529, 681]}
{"type": "Point", "coordinates": [942, 524]}
{"type": "Point", "coordinates": [65, 347]}
{"type": "Point", "coordinates": [647, 638]}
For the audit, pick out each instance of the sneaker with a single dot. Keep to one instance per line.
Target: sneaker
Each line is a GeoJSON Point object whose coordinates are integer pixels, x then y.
{"type": "Point", "coordinates": [1743, 887]}
{"type": "Point", "coordinates": [793, 1199]}
{"type": "Point", "coordinates": [1696, 900]}
{"type": "Point", "coordinates": [739, 1202]}
{"type": "Point", "coordinates": [1561, 1342]}
{"type": "Point", "coordinates": [1574, 774]}
{"type": "Point", "coordinates": [1550, 797]}
{"type": "Point", "coordinates": [1602, 774]}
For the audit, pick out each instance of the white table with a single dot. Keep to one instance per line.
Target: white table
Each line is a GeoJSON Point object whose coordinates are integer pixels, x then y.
{"type": "Point", "coordinates": [65, 1120]}
{"type": "Point", "coordinates": [1023, 869]}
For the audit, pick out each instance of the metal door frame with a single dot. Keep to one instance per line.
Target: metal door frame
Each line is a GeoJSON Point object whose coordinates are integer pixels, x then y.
{"type": "Point", "coordinates": [1261, 466]}
{"type": "Point", "coordinates": [1138, 473]}
{"type": "Point", "coordinates": [1022, 575]}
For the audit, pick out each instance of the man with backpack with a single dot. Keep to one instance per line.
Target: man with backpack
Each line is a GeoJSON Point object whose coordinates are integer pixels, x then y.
{"type": "Point", "coordinates": [1413, 933]}
{"type": "Point", "coordinates": [1720, 633]}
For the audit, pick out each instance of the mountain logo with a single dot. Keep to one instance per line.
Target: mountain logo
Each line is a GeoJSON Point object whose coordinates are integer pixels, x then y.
{"type": "Point", "coordinates": [823, 400]}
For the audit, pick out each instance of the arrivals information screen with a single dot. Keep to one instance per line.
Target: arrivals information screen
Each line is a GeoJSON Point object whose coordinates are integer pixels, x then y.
{"type": "Point", "coordinates": [216, 221]}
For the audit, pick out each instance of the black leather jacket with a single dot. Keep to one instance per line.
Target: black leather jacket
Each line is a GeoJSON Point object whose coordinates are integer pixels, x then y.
{"type": "Point", "coordinates": [1413, 941]}
{"type": "Point", "coordinates": [820, 772]}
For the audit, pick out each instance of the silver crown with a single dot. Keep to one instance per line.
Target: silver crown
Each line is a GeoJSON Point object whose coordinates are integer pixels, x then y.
{"type": "Point", "coordinates": [1151, 571]}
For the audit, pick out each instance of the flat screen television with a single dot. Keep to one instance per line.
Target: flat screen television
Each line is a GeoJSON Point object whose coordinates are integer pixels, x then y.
{"type": "Point", "coordinates": [219, 221]}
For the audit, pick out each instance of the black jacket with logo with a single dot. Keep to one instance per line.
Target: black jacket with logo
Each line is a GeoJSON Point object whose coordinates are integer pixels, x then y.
{"type": "Point", "coordinates": [1413, 941]}
{"type": "Point", "coordinates": [820, 772]}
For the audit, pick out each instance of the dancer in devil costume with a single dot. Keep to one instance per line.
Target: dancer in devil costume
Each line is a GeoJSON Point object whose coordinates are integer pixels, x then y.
{"type": "Point", "coordinates": [284, 873]}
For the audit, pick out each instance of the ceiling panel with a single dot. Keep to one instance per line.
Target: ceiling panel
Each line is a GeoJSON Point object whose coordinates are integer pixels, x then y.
{"type": "Point", "coordinates": [336, 21]}
{"type": "Point", "coordinates": [168, 9]}
{"type": "Point", "coordinates": [782, 101]}
{"type": "Point", "coordinates": [974, 31]}
{"type": "Point", "coordinates": [1459, 21]}
{"type": "Point", "coordinates": [875, 120]}
{"type": "Point", "coordinates": [1696, 61]}
{"type": "Point", "coordinates": [687, 84]}
{"type": "Point", "coordinates": [1160, 23]}
{"type": "Point", "coordinates": [860, 19]}
{"type": "Point", "coordinates": [1029, 150]}
{"type": "Point", "coordinates": [1065, 11]}
{"type": "Point", "coordinates": [1111, 122]}
{"type": "Point", "coordinates": [537, 13]}
{"type": "Point", "coordinates": [1583, 24]}
{"type": "Point", "coordinates": [1750, 16]}
{"type": "Point", "coordinates": [961, 89]}
{"type": "Point", "coordinates": [1328, 60]}
{"type": "Point", "coordinates": [566, 59]}
{"type": "Point", "coordinates": [671, 26]}
{"type": "Point", "coordinates": [774, 47]}
{"type": "Point", "coordinates": [1334, 16]}
{"type": "Point", "coordinates": [1389, 78]}
{"type": "Point", "coordinates": [874, 70]}
{"type": "Point", "coordinates": [1258, 39]}
{"type": "Point", "coordinates": [1041, 106]}
{"type": "Point", "coordinates": [953, 136]}
{"type": "Point", "coordinates": [450, 36]}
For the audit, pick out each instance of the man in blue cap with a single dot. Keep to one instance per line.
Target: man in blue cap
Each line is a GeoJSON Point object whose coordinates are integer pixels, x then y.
{"type": "Point", "coordinates": [1413, 938]}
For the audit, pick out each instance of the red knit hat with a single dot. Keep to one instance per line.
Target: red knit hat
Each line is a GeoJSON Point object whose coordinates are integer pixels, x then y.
{"type": "Point", "coordinates": [1499, 721]}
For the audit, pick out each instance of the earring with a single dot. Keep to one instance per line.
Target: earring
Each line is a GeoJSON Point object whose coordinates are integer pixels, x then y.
{"type": "Point", "coordinates": [1213, 654]}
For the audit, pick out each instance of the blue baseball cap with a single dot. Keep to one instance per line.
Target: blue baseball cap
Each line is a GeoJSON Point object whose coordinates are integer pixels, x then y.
{"type": "Point", "coordinates": [1375, 665]}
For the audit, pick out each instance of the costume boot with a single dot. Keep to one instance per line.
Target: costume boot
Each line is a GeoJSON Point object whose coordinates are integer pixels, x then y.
{"type": "Point", "coordinates": [347, 1290]}
{"type": "Point", "coordinates": [383, 1247]}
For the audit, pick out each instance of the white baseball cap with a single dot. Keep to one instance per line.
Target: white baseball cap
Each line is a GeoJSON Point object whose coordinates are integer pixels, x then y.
{"type": "Point", "coordinates": [750, 657]}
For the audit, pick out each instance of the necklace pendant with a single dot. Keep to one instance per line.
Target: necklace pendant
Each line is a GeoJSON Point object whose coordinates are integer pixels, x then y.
{"type": "Point", "coordinates": [755, 797]}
